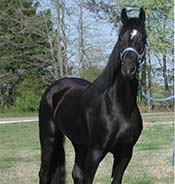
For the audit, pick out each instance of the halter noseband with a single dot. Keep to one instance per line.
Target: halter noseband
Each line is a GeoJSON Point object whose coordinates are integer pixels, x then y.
{"type": "Point", "coordinates": [140, 56]}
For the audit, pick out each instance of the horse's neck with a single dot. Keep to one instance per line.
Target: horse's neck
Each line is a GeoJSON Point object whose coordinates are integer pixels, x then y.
{"type": "Point", "coordinates": [105, 80]}
{"type": "Point", "coordinates": [123, 92]}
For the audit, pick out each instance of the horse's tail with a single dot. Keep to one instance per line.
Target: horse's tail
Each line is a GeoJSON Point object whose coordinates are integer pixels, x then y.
{"type": "Point", "coordinates": [52, 145]}
{"type": "Point", "coordinates": [59, 175]}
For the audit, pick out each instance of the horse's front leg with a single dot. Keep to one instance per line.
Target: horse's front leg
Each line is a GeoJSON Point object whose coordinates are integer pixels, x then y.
{"type": "Point", "coordinates": [93, 159]}
{"type": "Point", "coordinates": [121, 161]}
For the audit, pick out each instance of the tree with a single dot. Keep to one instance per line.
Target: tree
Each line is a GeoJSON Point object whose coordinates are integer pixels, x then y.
{"type": "Point", "coordinates": [81, 49]}
{"type": "Point", "coordinates": [24, 46]}
{"type": "Point", "coordinates": [90, 73]}
{"type": "Point", "coordinates": [57, 5]}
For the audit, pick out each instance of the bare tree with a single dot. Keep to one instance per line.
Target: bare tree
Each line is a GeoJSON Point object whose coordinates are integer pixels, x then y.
{"type": "Point", "coordinates": [57, 38]}
{"type": "Point", "coordinates": [165, 75]}
{"type": "Point", "coordinates": [64, 38]}
{"type": "Point", "coordinates": [149, 82]}
{"type": "Point", "coordinates": [55, 73]}
{"type": "Point", "coordinates": [57, 4]}
{"type": "Point", "coordinates": [81, 49]}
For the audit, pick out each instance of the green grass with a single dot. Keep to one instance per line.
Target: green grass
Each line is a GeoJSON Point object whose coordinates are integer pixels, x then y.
{"type": "Point", "coordinates": [156, 117]}
{"type": "Point", "coordinates": [14, 113]}
{"type": "Point", "coordinates": [156, 137]}
{"type": "Point", "coordinates": [151, 162]}
{"type": "Point", "coordinates": [18, 145]}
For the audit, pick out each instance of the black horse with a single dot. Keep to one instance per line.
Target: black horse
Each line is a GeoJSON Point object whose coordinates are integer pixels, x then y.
{"type": "Point", "coordinates": [98, 117]}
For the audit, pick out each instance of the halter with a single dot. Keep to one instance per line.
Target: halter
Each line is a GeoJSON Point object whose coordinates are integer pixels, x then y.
{"type": "Point", "coordinates": [139, 56]}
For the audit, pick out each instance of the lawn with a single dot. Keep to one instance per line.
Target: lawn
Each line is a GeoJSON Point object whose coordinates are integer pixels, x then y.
{"type": "Point", "coordinates": [151, 162]}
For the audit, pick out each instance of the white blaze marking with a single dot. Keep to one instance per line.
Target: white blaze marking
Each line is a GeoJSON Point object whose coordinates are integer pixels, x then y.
{"type": "Point", "coordinates": [133, 33]}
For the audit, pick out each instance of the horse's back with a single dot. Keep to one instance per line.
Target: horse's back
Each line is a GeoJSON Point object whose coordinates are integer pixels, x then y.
{"type": "Point", "coordinates": [56, 90]}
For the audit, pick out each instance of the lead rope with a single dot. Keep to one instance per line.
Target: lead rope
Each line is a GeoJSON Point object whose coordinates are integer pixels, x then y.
{"type": "Point", "coordinates": [155, 99]}
{"type": "Point", "coordinates": [142, 91]}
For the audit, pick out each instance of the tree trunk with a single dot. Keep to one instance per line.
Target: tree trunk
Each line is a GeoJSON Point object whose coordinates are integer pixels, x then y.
{"type": "Point", "coordinates": [142, 81]}
{"type": "Point", "coordinates": [64, 39]}
{"type": "Point", "coordinates": [165, 76]}
{"type": "Point", "coordinates": [58, 38]}
{"type": "Point", "coordinates": [81, 37]}
{"type": "Point", "coordinates": [149, 85]}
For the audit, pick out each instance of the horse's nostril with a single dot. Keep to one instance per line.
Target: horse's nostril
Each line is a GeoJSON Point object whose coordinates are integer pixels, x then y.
{"type": "Point", "coordinates": [133, 70]}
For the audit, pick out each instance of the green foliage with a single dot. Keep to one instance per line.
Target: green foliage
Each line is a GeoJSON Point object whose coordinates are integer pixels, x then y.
{"type": "Point", "coordinates": [159, 91]}
{"type": "Point", "coordinates": [28, 94]}
{"type": "Point", "coordinates": [24, 46]}
{"type": "Point", "coordinates": [91, 73]}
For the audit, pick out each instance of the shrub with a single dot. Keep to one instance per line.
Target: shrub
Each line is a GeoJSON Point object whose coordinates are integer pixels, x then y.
{"type": "Point", "coordinates": [91, 73]}
{"type": "Point", "coordinates": [28, 94]}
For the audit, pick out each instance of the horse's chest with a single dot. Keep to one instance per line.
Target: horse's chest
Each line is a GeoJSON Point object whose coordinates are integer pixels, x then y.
{"type": "Point", "coordinates": [112, 131]}
{"type": "Point", "coordinates": [127, 133]}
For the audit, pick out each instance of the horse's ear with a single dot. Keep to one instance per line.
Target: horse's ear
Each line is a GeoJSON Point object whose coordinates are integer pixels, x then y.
{"type": "Point", "coordinates": [142, 16]}
{"type": "Point", "coordinates": [124, 16]}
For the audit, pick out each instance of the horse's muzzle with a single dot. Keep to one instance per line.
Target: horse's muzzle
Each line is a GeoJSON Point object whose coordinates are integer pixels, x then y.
{"type": "Point", "coordinates": [129, 71]}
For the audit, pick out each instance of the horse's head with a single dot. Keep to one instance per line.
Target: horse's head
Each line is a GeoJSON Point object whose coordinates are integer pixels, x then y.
{"type": "Point", "coordinates": [132, 43]}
